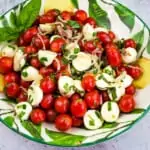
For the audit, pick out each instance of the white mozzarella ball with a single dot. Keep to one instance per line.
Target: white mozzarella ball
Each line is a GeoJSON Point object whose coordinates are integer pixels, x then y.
{"type": "Point", "coordinates": [8, 50]}
{"type": "Point", "coordinates": [78, 86]}
{"type": "Point", "coordinates": [47, 28]}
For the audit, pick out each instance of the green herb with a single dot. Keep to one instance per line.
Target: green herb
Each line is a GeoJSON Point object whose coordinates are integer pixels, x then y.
{"type": "Point", "coordinates": [95, 71]}
{"type": "Point", "coordinates": [66, 87]}
{"type": "Point", "coordinates": [94, 34]}
{"type": "Point", "coordinates": [110, 125]}
{"type": "Point", "coordinates": [120, 44]}
{"type": "Point", "coordinates": [74, 24]}
{"type": "Point", "coordinates": [109, 106]}
{"type": "Point", "coordinates": [72, 57]}
{"type": "Point", "coordinates": [113, 92]}
{"type": "Point", "coordinates": [91, 122]}
{"type": "Point", "coordinates": [98, 114]}
{"type": "Point", "coordinates": [53, 76]}
{"type": "Point", "coordinates": [138, 111]}
{"type": "Point", "coordinates": [43, 60]}
{"type": "Point", "coordinates": [24, 74]}
{"type": "Point", "coordinates": [11, 46]}
{"type": "Point", "coordinates": [9, 121]}
{"type": "Point", "coordinates": [76, 50]}
{"type": "Point", "coordinates": [65, 61]}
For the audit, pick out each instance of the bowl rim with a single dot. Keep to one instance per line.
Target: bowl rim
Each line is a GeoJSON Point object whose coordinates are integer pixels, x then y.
{"type": "Point", "coordinates": [96, 141]}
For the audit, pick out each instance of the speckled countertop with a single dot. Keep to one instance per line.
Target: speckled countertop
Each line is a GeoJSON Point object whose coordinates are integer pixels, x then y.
{"type": "Point", "coordinates": [135, 139]}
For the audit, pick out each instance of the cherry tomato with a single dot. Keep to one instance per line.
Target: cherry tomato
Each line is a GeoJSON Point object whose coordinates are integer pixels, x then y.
{"type": "Point", "coordinates": [78, 108]}
{"type": "Point", "coordinates": [12, 90]}
{"type": "Point", "coordinates": [127, 103]}
{"type": "Point", "coordinates": [53, 12]}
{"type": "Point", "coordinates": [75, 96]}
{"type": "Point", "coordinates": [63, 122]}
{"type": "Point", "coordinates": [46, 71]}
{"type": "Point", "coordinates": [57, 44]}
{"type": "Point", "coordinates": [11, 77]}
{"type": "Point", "coordinates": [22, 96]}
{"type": "Point", "coordinates": [37, 116]}
{"type": "Point", "coordinates": [21, 41]}
{"type": "Point", "coordinates": [112, 35]}
{"type": "Point", "coordinates": [66, 15]}
{"type": "Point", "coordinates": [93, 99]}
{"type": "Point", "coordinates": [63, 72]}
{"type": "Point", "coordinates": [48, 85]}
{"type": "Point", "coordinates": [47, 101]}
{"type": "Point", "coordinates": [35, 62]}
{"type": "Point", "coordinates": [25, 84]}
{"type": "Point", "coordinates": [91, 21]}
{"type": "Point", "coordinates": [113, 55]}
{"type": "Point", "coordinates": [89, 46]}
{"type": "Point", "coordinates": [61, 104]}
{"type": "Point", "coordinates": [30, 50]}
{"type": "Point", "coordinates": [59, 64]}
{"type": "Point", "coordinates": [29, 34]}
{"type": "Point", "coordinates": [88, 82]}
{"type": "Point", "coordinates": [46, 19]}
{"type": "Point", "coordinates": [105, 96]}
{"type": "Point", "coordinates": [129, 43]}
{"type": "Point", "coordinates": [76, 122]}
{"type": "Point", "coordinates": [51, 115]}
{"type": "Point", "coordinates": [41, 42]}
{"type": "Point", "coordinates": [6, 65]}
{"type": "Point", "coordinates": [134, 71]}
{"type": "Point", "coordinates": [104, 37]}
{"type": "Point", "coordinates": [120, 70]}
{"type": "Point", "coordinates": [130, 90]}
{"type": "Point", "coordinates": [80, 15]}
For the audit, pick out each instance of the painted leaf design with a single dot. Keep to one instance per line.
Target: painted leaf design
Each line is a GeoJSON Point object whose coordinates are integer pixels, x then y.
{"type": "Point", "coordinates": [34, 130]}
{"type": "Point", "coordinates": [64, 138]}
{"type": "Point", "coordinates": [138, 111]}
{"type": "Point", "coordinates": [9, 121]}
{"type": "Point", "coordinates": [98, 14]}
{"type": "Point", "coordinates": [148, 46]}
{"type": "Point", "coordinates": [75, 3]}
{"type": "Point", "coordinates": [125, 15]}
{"type": "Point", "coordinates": [139, 38]}
{"type": "Point", "coordinates": [110, 125]}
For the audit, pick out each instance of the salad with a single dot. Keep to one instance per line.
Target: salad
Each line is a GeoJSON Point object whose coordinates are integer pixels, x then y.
{"type": "Point", "coordinates": [67, 70]}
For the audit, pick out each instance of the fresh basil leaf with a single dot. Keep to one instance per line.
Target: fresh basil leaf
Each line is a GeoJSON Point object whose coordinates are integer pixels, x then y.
{"type": "Point", "coordinates": [75, 3]}
{"type": "Point", "coordinates": [148, 46]}
{"type": "Point", "coordinates": [24, 74]}
{"type": "Point", "coordinates": [29, 13]}
{"type": "Point", "coordinates": [9, 120]}
{"type": "Point", "coordinates": [125, 15]}
{"type": "Point", "coordinates": [13, 19]}
{"type": "Point", "coordinates": [74, 24]}
{"type": "Point", "coordinates": [138, 111]}
{"type": "Point", "coordinates": [98, 14]}
{"type": "Point", "coordinates": [110, 125]}
{"type": "Point", "coordinates": [109, 106]}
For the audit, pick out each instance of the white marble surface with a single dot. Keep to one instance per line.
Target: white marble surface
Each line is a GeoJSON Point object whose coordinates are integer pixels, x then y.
{"type": "Point", "coordinates": [135, 139]}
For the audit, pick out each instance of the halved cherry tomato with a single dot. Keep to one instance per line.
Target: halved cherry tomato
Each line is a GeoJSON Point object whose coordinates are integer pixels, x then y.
{"type": "Point", "coordinates": [63, 72]}
{"type": "Point", "coordinates": [11, 77]}
{"type": "Point", "coordinates": [35, 62]}
{"type": "Point", "coordinates": [80, 15]}
{"type": "Point", "coordinates": [78, 108]}
{"type": "Point", "coordinates": [57, 45]}
{"type": "Point", "coordinates": [105, 96]}
{"type": "Point", "coordinates": [129, 43]}
{"type": "Point", "coordinates": [130, 90]}
{"type": "Point", "coordinates": [127, 104]}
{"type": "Point", "coordinates": [88, 82]}
{"type": "Point", "coordinates": [53, 12]}
{"type": "Point", "coordinates": [38, 116]}
{"type": "Point", "coordinates": [61, 104]}
{"type": "Point", "coordinates": [104, 37]}
{"type": "Point", "coordinates": [93, 99]}
{"type": "Point", "coordinates": [30, 50]}
{"type": "Point", "coordinates": [113, 55]}
{"type": "Point", "coordinates": [75, 96]}
{"type": "Point", "coordinates": [91, 21]}
{"type": "Point", "coordinates": [66, 15]}
{"type": "Point", "coordinates": [25, 84]}
{"type": "Point", "coordinates": [63, 122]}
{"type": "Point", "coordinates": [89, 46]}
{"type": "Point", "coordinates": [48, 85]}
{"type": "Point", "coordinates": [6, 65]}
{"type": "Point", "coordinates": [120, 69]}
{"type": "Point", "coordinates": [46, 19]}
{"type": "Point", "coordinates": [46, 71]}
{"type": "Point", "coordinates": [112, 35]}
{"type": "Point", "coordinates": [22, 96]}
{"type": "Point", "coordinates": [12, 90]}
{"type": "Point", "coordinates": [76, 122]}
{"type": "Point", "coordinates": [51, 115]}
{"type": "Point", "coordinates": [21, 41]}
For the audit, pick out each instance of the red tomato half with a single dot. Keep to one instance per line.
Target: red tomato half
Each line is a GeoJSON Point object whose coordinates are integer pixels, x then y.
{"type": "Point", "coordinates": [80, 15]}
{"type": "Point", "coordinates": [11, 77]}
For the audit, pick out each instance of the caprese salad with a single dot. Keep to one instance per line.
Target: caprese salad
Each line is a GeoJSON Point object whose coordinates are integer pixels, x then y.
{"type": "Point", "coordinates": [67, 70]}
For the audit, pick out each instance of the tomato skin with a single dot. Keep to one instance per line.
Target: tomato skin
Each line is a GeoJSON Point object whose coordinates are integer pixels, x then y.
{"type": "Point", "coordinates": [131, 90]}
{"type": "Point", "coordinates": [88, 82]}
{"type": "Point", "coordinates": [35, 62]}
{"type": "Point", "coordinates": [104, 37]}
{"type": "Point", "coordinates": [51, 115]}
{"type": "Point", "coordinates": [66, 15]}
{"type": "Point", "coordinates": [11, 77]}
{"type": "Point", "coordinates": [48, 85]}
{"type": "Point", "coordinates": [30, 50]}
{"type": "Point", "coordinates": [129, 43]}
{"type": "Point", "coordinates": [105, 96]}
{"type": "Point", "coordinates": [61, 104]}
{"type": "Point", "coordinates": [57, 44]}
{"type": "Point", "coordinates": [120, 70]}
{"type": "Point", "coordinates": [12, 90]}
{"type": "Point", "coordinates": [47, 101]}
{"type": "Point", "coordinates": [41, 42]}
{"type": "Point", "coordinates": [78, 108]}
{"type": "Point", "coordinates": [53, 12]}
{"type": "Point", "coordinates": [29, 34]}
{"type": "Point", "coordinates": [91, 21]}
{"type": "Point", "coordinates": [22, 96]}
{"type": "Point", "coordinates": [112, 35]}
{"type": "Point", "coordinates": [93, 99]}
{"type": "Point", "coordinates": [46, 19]}
{"type": "Point", "coordinates": [113, 55]}
{"type": "Point", "coordinates": [37, 116]}
{"type": "Point", "coordinates": [76, 122]}
{"type": "Point", "coordinates": [134, 71]}
{"type": "Point", "coordinates": [80, 15]}
{"type": "Point", "coordinates": [127, 104]}
{"type": "Point", "coordinates": [25, 84]}
{"type": "Point", "coordinates": [21, 42]}
{"type": "Point", "coordinates": [6, 65]}
{"type": "Point", "coordinates": [75, 96]}
{"type": "Point", "coordinates": [63, 72]}
{"type": "Point", "coordinates": [46, 71]}
{"type": "Point", "coordinates": [89, 46]}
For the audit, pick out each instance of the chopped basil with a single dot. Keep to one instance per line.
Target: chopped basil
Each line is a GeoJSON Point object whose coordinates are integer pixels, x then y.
{"type": "Point", "coordinates": [98, 114]}
{"type": "Point", "coordinates": [113, 92]}
{"type": "Point", "coordinates": [76, 50]}
{"type": "Point", "coordinates": [24, 74]}
{"type": "Point", "coordinates": [65, 61]}
{"type": "Point", "coordinates": [11, 46]}
{"type": "Point", "coordinates": [66, 87]}
{"type": "Point", "coordinates": [120, 44]}
{"type": "Point", "coordinates": [74, 24]}
{"type": "Point", "coordinates": [53, 76]}
{"type": "Point", "coordinates": [95, 71]}
{"type": "Point", "coordinates": [43, 59]}
{"type": "Point", "coordinates": [72, 57]}
{"type": "Point", "coordinates": [91, 122]}
{"type": "Point", "coordinates": [94, 33]}
{"type": "Point", "coordinates": [21, 114]}
{"type": "Point", "coordinates": [109, 106]}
